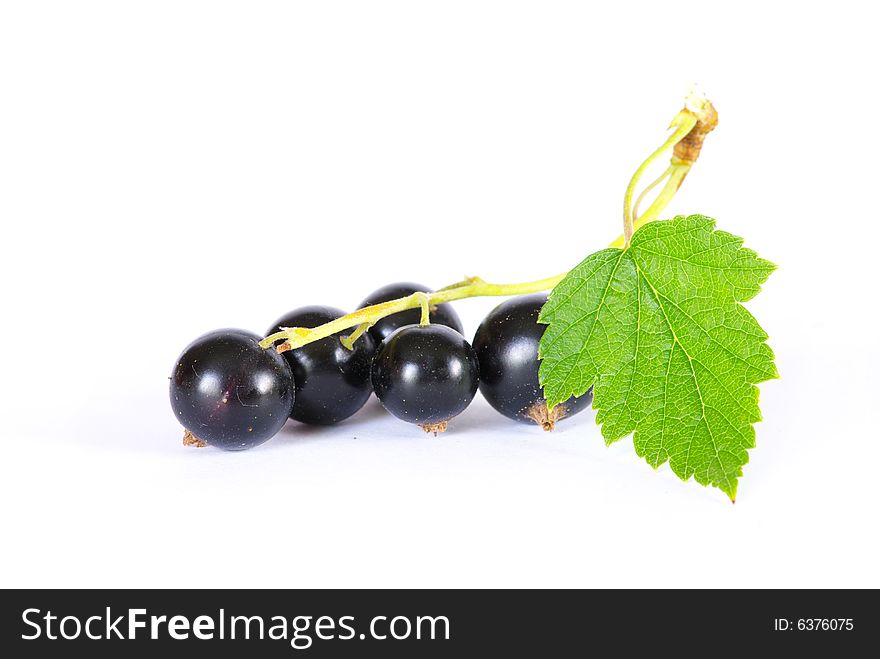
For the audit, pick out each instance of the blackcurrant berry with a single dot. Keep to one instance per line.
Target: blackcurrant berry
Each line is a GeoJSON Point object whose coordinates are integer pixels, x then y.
{"type": "Point", "coordinates": [440, 314]}
{"type": "Point", "coordinates": [229, 392]}
{"type": "Point", "coordinates": [332, 382]}
{"type": "Point", "coordinates": [506, 344]}
{"type": "Point", "coordinates": [425, 375]}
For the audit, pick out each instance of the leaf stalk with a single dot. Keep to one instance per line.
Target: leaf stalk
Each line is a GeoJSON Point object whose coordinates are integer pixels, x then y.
{"type": "Point", "coordinates": [696, 120]}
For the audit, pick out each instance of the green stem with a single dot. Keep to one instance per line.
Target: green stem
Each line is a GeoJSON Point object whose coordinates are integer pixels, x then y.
{"type": "Point", "coordinates": [425, 304]}
{"type": "Point", "coordinates": [691, 126]}
{"type": "Point", "coordinates": [677, 172]}
{"type": "Point", "coordinates": [644, 193]}
{"type": "Point", "coordinates": [674, 178]}
{"type": "Point", "coordinates": [296, 337]}
{"type": "Point", "coordinates": [684, 122]}
{"type": "Point", "coordinates": [348, 341]}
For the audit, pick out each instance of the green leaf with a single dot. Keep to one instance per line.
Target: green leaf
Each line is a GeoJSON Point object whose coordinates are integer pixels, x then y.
{"type": "Point", "coordinates": [659, 332]}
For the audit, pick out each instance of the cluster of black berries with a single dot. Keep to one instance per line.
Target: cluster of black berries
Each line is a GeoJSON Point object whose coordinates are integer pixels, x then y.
{"type": "Point", "coordinates": [229, 392]}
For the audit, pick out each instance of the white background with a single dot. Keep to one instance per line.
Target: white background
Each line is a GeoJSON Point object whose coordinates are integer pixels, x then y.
{"type": "Point", "coordinates": [167, 168]}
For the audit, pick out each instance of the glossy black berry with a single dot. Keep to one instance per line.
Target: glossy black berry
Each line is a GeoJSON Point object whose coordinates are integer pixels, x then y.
{"type": "Point", "coordinates": [506, 344]}
{"type": "Point", "coordinates": [425, 375]}
{"type": "Point", "coordinates": [229, 392]}
{"type": "Point", "coordinates": [440, 314]}
{"type": "Point", "coordinates": [332, 382]}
